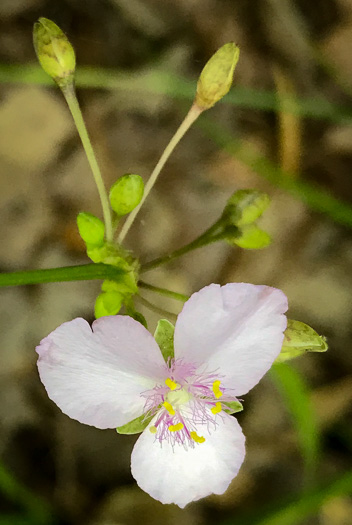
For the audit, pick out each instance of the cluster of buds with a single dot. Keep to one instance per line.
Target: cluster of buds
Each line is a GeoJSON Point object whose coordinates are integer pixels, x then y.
{"type": "Point", "coordinates": [125, 194]}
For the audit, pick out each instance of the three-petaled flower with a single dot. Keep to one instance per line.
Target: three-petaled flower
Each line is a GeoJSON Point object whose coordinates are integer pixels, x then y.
{"type": "Point", "coordinates": [226, 338]}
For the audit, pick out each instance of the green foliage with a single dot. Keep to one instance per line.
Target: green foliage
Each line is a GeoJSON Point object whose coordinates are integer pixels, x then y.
{"type": "Point", "coordinates": [135, 426]}
{"type": "Point", "coordinates": [126, 193]}
{"type": "Point", "coordinates": [299, 509]}
{"type": "Point", "coordinates": [295, 394]}
{"type": "Point", "coordinates": [54, 51]}
{"type": "Point", "coordinates": [91, 229]}
{"type": "Point", "coordinates": [164, 336]}
{"type": "Point", "coordinates": [300, 338]}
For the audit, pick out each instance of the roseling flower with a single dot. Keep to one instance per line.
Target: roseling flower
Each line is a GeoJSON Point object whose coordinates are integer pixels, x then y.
{"type": "Point", "coordinates": [226, 338]}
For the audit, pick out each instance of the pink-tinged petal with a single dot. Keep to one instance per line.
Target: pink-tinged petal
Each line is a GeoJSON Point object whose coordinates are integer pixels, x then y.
{"type": "Point", "coordinates": [236, 329]}
{"type": "Point", "coordinates": [175, 475]}
{"type": "Point", "coordinates": [97, 376]}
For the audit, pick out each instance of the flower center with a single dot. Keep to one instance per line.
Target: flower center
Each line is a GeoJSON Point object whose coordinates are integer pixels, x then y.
{"type": "Point", "coordinates": [188, 399]}
{"type": "Point", "coordinates": [177, 398]}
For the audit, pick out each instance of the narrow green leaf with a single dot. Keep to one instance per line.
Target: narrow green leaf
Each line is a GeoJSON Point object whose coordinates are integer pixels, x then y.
{"type": "Point", "coordinates": [135, 426]}
{"type": "Point", "coordinates": [83, 272]}
{"type": "Point", "coordinates": [164, 336]}
{"type": "Point", "coordinates": [299, 509]}
{"type": "Point", "coordinates": [300, 338]}
{"type": "Point", "coordinates": [296, 397]}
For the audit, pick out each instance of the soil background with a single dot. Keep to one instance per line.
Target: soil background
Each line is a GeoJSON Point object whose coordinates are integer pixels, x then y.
{"type": "Point", "coordinates": [288, 48]}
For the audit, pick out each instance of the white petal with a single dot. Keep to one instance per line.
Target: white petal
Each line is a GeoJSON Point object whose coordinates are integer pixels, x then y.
{"type": "Point", "coordinates": [236, 329]}
{"type": "Point", "coordinates": [176, 475]}
{"type": "Point", "coordinates": [97, 377]}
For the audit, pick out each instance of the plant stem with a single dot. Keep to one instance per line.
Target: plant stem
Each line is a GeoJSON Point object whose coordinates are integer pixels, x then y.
{"type": "Point", "coordinates": [208, 237]}
{"type": "Point", "coordinates": [72, 102]}
{"type": "Point", "coordinates": [84, 272]}
{"type": "Point", "coordinates": [163, 291]}
{"type": "Point", "coordinates": [190, 118]}
{"type": "Point", "coordinates": [156, 309]}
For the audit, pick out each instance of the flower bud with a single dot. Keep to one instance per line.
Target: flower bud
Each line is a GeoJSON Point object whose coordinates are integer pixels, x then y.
{"type": "Point", "coordinates": [216, 78]}
{"type": "Point", "coordinates": [108, 303]}
{"type": "Point", "coordinates": [126, 193]}
{"type": "Point", "coordinates": [251, 238]}
{"type": "Point", "coordinates": [245, 207]}
{"type": "Point", "coordinates": [54, 51]}
{"type": "Point", "coordinates": [91, 229]}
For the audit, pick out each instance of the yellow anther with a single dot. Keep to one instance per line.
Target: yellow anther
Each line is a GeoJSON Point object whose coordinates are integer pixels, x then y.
{"type": "Point", "coordinates": [196, 438]}
{"type": "Point", "coordinates": [171, 384]}
{"type": "Point", "coordinates": [217, 408]}
{"type": "Point", "coordinates": [176, 428]}
{"type": "Point", "coordinates": [153, 429]}
{"type": "Point", "coordinates": [216, 389]}
{"type": "Point", "coordinates": [169, 408]}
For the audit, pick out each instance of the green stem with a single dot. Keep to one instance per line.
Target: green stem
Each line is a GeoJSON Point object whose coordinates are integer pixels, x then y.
{"type": "Point", "coordinates": [190, 118]}
{"type": "Point", "coordinates": [84, 272]}
{"type": "Point", "coordinates": [208, 237]}
{"type": "Point", "coordinates": [163, 291]}
{"type": "Point", "coordinates": [156, 309]}
{"type": "Point", "coordinates": [72, 102]}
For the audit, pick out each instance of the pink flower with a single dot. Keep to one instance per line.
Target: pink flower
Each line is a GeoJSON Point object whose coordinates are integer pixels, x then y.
{"type": "Point", "coordinates": [226, 338]}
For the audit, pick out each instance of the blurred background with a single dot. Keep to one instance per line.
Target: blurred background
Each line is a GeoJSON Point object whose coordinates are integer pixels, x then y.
{"type": "Point", "coordinates": [285, 128]}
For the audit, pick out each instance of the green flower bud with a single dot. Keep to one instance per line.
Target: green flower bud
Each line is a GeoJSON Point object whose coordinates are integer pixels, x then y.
{"type": "Point", "coordinates": [251, 238]}
{"type": "Point", "coordinates": [126, 193]}
{"type": "Point", "coordinates": [216, 78]}
{"type": "Point", "coordinates": [54, 51]}
{"type": "Point", "coordinates": [91, 229]}
{"type": "Point", "coordinates": [299, 339]}
{"type": "Point", "coordinates": [108, 303]}
{"type": "Point", "coordinates": [245, 207]}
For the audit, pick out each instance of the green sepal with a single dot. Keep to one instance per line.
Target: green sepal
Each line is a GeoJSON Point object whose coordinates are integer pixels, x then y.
{"type": "Point", "coordinates": [251, 238]}
{"type": "Point", "coordinates": [108, 303]}
{"type": "Point", "coordinates": [164, 336]}
{"type": "Point", "coordinates": [299, 339]}
{"type": "Point", "coordinates": [233, 407]}
{"type": "Point", "coordinates": [107, 254]}
{"type": "Point", "coordinates": [135, 426]}
{"type": "Point", "coordinates": [91, 229]}
{"type": "Point", "coordinates": [245, 207]}
{"type": "Point", "coordinates": [124, 283]}
{"type": "Point", "coordinates": [126, 193]}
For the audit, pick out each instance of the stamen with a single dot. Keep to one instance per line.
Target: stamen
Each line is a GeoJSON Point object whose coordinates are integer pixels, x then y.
{"type": "Point", "coordinates": [171, 384]}
{"type": "Point", "coordinates": [216, 389]}
{"type": "Point", "coordinates": [169, 408]}
{"type": "Point", "coordinates": [153, 429]}
{"type": "Point", "coordinates": [217, 408]}
{"type": "Point", "coordinates": [196, 438]}
{"type": "Point", "coordinates": [176, 428]}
